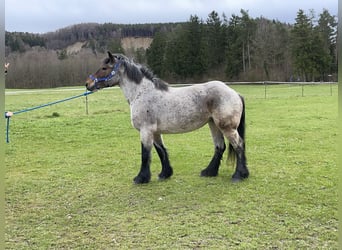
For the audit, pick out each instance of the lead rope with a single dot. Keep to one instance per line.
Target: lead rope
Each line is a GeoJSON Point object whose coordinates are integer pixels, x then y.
{"type": "Point", "coordinates": [9, 114]}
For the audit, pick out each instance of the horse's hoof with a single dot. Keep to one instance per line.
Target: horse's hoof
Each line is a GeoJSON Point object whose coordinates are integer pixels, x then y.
{"type": "Point", "coordinates": [141, 180]}
{"type": "Point", "coordinates": [206, 173]}
{"type": "Point", "coordinates": [165, 174]}
{"type": "Point", "coordinates": [162, 178]}
{"type": "Point", "coordinates": [240, 176]}
{"type": "Point", "coordinates": [237, 180]}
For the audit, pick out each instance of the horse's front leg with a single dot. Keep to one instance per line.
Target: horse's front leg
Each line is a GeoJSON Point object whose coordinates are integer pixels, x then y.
{"type": "Point", "coordinates": [144, 175]}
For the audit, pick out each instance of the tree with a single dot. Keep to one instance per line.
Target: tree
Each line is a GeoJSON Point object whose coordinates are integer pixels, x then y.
{"type": "Point", "coordinates": [62, 54]}
{"type": "Point", "coordinates": [301, 42]}
{"type": "Point", "coordinates": [195, 52]}
{"type": "Point", "coordinates": [326, 30]}
{"type": "Point", "coordinates": [313, 46]}
{"type": "Point", "coordinates": [215, 40]}
{"type": "Point", "coordinates": [270, 48]}
{"type": "Point", "coordinates": [156, 52]}
{"type": "Point", "coordinates": [233, 45]}
{"type": "Point", "coordinates": [184, 51]}
{"type": "Point", "coordinates": [240, 34]}
{"type": "Point", "coordinates": [114, 45]}
{"type": "Point", "coordinates": [248, 29]}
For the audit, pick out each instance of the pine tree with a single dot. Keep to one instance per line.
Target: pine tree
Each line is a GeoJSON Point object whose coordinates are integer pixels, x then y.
{"type": "Point", "coordinates": [215, 40]}
{"type": "Point", "coordinates": [326, 30]}
{"type": "Point", "coordinates": [155, 54]}
{"type": "Point", "coordinates": [184, 55]}
{"type": "Point", "coordinates": [233, 45]}
{"type": "Point", "coordinates": [301, 42]}
{"type": "Point", "coordinates": [313, 46]}
{"type": "Point", "coordinates": [195, 59]}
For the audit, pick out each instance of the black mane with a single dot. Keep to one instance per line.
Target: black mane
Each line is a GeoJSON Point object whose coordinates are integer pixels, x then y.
{"type": "Point", "coordinates": [137, 72]}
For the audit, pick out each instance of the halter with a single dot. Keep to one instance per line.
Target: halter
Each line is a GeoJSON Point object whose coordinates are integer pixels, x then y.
{"type": "Point", "coordinates": [106, 78]}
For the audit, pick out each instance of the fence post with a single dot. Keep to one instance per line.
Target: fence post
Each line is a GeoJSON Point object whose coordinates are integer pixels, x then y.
{"type": "Point", "coordinates": [330, 84]}
{"type": "Point", "coordinates": [87, 104]}
{"type": "Point", "coordinates": [302, 90]}
{"type": "Point", "coordinates": [7, 129]}
{"type": "Point", "coordinates": [265, 90]}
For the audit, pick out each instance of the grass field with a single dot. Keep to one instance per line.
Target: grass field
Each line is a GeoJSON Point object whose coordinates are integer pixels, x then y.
{"type": "Point", "coordinates": [69, 177]}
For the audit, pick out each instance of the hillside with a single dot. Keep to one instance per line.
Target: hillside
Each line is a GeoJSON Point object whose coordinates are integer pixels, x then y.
{"type": "Point", "coordinates": [91, 35]}
{"type": "Point", "coordinates": [66, 56]}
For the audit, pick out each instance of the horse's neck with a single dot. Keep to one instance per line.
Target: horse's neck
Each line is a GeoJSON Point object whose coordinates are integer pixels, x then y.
{"type": "Point", "coordinates": [131, 89]}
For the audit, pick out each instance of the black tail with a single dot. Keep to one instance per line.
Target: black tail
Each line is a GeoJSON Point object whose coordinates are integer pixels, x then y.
{"type": "Point", "coordinates": [241, 131]}
{"type": "Point", "coordinates": [241, 128]}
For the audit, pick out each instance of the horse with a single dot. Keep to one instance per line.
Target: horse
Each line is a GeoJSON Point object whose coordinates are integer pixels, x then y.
{"type": "Point", "coordinates": [157, 108]}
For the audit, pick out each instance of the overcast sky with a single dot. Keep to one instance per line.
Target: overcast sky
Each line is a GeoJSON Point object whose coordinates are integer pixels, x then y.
{"type": "Point", "coordinates": [39, 16]}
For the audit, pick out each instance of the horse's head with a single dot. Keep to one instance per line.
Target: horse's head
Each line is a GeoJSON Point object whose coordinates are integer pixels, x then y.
{"type": "Point", "coordinates": [107, 75]}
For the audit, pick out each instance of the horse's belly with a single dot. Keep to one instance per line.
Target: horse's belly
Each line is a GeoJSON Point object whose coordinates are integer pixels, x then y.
{"type": "Point", "coordinates": [181, 123]}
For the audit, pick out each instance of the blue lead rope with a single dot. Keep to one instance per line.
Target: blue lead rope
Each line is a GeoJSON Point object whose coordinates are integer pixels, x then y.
{"type": "Point", "coordinates": [8, 115]}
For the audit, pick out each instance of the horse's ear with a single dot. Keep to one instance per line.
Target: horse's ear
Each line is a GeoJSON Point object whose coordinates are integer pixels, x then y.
{"type": "Point", "coordinates": [111, 57]}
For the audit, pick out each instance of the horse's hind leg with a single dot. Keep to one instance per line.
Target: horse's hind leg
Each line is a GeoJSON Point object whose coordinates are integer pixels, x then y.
{"type": "Point", "coordinates": [166, 171]}
{"type": "Point", "coordinates": [218, 139]}
{"type": "Point", "coordinates": [237, 147]}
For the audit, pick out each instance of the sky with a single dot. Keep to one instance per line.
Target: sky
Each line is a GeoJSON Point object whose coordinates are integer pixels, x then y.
{"type": "Point", "coordinates": [41, 16]}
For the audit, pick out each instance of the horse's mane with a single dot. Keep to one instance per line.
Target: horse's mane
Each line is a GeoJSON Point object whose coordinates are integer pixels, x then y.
{"type": "Point", "coordinates": [136, 72]}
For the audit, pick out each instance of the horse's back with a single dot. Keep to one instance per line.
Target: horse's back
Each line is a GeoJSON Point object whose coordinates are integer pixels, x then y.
{"type": "Point", "coordinates": [217, 88]}
{"type": "Point", "coordinates": [214, 98]}
{"type": "Point", "coordinates": [223, 88]}
{"type": "Point", "coordinates": [221, 95]}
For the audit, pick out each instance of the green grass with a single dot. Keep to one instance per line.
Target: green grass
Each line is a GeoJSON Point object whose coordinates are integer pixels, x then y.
{"type": "Point", "coordinates": [69, 177]}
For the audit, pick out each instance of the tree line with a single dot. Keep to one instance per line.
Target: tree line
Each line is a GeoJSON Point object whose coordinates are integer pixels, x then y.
{"type": "Point", "coordinates": [238, 48]}
{"type": "Point", "coordinates": [242, 48]}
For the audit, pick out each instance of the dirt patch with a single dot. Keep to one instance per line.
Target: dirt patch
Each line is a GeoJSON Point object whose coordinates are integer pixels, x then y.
{"type": "Point", "coordinates": [134, 43]}
{"type": "Point", "coordinates": [75, 48]}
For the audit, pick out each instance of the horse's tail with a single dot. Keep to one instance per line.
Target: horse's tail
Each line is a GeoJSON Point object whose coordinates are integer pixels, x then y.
{"type": "Point", "coordinates": [241, 131]}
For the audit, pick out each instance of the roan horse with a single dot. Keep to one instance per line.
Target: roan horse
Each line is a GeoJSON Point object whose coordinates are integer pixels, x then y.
{"type": "Point", "coordinates": [157, 108]}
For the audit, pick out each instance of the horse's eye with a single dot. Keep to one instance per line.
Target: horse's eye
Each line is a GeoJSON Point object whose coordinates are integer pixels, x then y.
{"type": "Point", "coordinates": [104, 68]}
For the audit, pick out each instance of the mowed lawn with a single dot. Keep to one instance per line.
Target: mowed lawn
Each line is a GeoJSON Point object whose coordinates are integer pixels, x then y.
{"type": "Point", "coordinates": [69, 177]}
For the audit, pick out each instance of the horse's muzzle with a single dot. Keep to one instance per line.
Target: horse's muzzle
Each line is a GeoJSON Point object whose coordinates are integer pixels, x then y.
{"type": "Point", "coordinates": [90, 85]}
